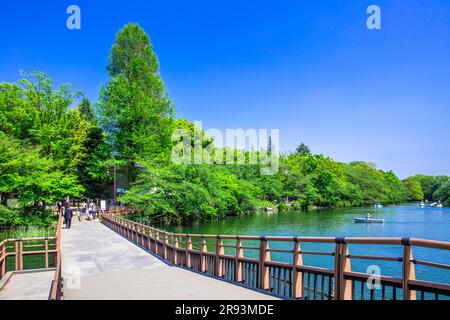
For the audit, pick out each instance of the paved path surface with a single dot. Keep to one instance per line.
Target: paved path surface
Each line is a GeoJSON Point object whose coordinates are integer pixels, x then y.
{"type": "Point", "coordinates": [28, 286]}
{"type": "Point", "coordinates": [100, 264]}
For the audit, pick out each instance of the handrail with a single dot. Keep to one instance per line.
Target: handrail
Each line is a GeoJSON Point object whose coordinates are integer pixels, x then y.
{"type": "Point", "coordinates": [293, 280]}
{"type": "Point", "coordinates": [18, 250]}
{"type": "Point", "coordinates": [56, 288]}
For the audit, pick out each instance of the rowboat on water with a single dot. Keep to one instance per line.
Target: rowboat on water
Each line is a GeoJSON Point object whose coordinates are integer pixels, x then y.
{"type": "Point", "coordinates": [368, 219]}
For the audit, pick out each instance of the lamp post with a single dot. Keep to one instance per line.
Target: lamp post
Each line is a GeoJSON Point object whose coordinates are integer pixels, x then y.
{"type": "Point", "coordinates": [115, 185]}
{"type": "Point", "coordinates": [114, 169]}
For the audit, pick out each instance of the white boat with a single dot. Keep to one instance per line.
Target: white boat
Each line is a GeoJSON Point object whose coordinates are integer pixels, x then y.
{"type": "Point", "coordinates": [422, 204]}
{"type": "Point", "coordinates": [368, 220]}
{"type": "Point", "coordinates": [378, 206]}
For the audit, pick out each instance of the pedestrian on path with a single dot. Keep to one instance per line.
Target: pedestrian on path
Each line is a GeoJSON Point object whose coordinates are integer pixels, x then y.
{"type": "Point", "coordinates": [68, 214]}
{"type": "Point", "coordinates": [83, 210]}
{"type": "Point", "coordinates": [94, 211]}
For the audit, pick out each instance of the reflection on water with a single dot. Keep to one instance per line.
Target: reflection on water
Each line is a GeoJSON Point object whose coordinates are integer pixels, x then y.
{"type": "Point", "coordinates": [400, 221]}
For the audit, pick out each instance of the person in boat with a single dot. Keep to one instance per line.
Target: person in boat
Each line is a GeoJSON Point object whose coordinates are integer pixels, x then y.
{"type": "Point", "coordinates": [368, 216]}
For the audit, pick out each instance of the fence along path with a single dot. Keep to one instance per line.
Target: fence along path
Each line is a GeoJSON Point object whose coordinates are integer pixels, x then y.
{"type": "Point", "coordinates": [246, 260]}
{"type": "Point", "coordinates": [100, 264]}
{"type": "Point", "coordinates": [20, 256]}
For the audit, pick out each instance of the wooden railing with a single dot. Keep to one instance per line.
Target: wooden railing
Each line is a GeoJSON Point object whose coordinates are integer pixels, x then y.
{"type": "Point", "coordinates": [293, 280]}
{"type": "Point", "coordinates": [56, 290]}
{"type": "Point", "coordinates": [34, 253]}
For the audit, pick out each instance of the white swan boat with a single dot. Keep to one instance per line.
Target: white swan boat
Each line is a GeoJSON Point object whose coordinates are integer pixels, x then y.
{"type": "Point", "coordinates": [436, 205]}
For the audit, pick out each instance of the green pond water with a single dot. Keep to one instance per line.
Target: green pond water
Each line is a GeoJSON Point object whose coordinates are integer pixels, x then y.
{"type": "Point", "coordinates": [406, 220]}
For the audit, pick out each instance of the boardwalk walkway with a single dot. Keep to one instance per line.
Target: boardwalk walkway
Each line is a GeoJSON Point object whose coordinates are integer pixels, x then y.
{"type": "Point", "coordinates": [27, 285]}
{"type": "Point", "coordinates": [100, 264]}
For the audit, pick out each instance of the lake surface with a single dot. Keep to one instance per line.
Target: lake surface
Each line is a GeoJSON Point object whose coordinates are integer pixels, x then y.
{"type": "Point", "coordinates": [407, 220]}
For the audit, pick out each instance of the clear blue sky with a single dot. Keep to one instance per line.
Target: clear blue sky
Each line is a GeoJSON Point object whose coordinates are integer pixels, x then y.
{"type": "Point", "coordinates": [310, 68]}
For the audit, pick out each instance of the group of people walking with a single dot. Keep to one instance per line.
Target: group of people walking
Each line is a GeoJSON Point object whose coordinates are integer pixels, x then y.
{"type": "Point", "coordinates": [88, 210]}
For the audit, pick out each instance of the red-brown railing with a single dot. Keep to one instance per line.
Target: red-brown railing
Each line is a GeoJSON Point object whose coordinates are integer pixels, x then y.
{"type": "Point", "coordinates": [294, 280]}
{"type": "Point", "coordinates": [34, 253]}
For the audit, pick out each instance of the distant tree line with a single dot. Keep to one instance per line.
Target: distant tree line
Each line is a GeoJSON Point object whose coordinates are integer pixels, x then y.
{"type": "Point", "coordinates": [431, 188]}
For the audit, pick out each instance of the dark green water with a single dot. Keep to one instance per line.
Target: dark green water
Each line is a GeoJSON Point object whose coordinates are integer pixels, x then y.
{"type": "Point", "coordinates": [407, 220]}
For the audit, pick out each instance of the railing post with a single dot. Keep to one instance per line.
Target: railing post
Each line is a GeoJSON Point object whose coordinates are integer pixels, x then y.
{"type": "Point", "coordinates": [147, 238]}
{"type": "Point", "coordinates": [342, 287]}
{"type": "Point", "coordinates": [130, 230]}
{"type": "Point", "coordinates": [141, 235]}
{"type": "Point", "coordinates": [165, 239]}
{"type": "Point", "coordinates": [203, 249]}
{"type": "Point", "coordinates": [144, 236]}
{"type": "Point", "coordinates": [3, 261]}
{"type": "Point", "coordinates": [137, 233]}
{"type": "Point", "coordinates": [169, 240]}
{"type": "Point", "coordinates": [176, 246]}
{"type": "Point", "coordinates": [46, 253]}
{"type": "Point", "coordinates": [16, 248]}
{"type": "Point", "coordinates": [238, 263]}
{"type": "Point", "coordinates": [337, 275]}
{"type": "Point", "coordinates": [19, 254]}
{"type": "Point", "coordinates": [264, 256]}
{"type": "Point", "coordinates": [188, 248]}
{"type": "Point", "coordinates": [153, 242]}
{"type": "Point", "coordinates": [156, 243]}
{"type": "Point", "coordinates": [408, 270]}
{"type": "Point", "coordinates": [219, 252]}
{"type": "Point", "coordinates": [297, 275]}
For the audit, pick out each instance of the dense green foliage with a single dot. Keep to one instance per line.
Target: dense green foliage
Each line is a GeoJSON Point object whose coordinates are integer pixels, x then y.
{"type": "Point", "coordinates": [135, 111]}
{"type": "Point", "coordinates": [27, 232]}
{"type": "Point", "coordinates": [54, 144]}
{"type": "Point", "coordinates": [423, 187]}
{"type": "Point", "coordinates": [49, 147]}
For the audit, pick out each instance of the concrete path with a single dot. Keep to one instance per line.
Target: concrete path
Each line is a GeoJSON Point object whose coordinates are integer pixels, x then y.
{"type": "Point", "coordinates": [100, 264]}
{"type": "Point", "coordinates": [28, 285]}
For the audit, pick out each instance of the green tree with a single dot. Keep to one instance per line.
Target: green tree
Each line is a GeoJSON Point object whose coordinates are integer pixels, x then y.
{"type": "Point", "coordinates": [89, 151]}
{"type": "Point", "coordinates": [413, 189]}
{"type": "Point", "coordinates": [134, 108]}
{"type": "Point", "coordinates": [32, 178]}
{"type": "Point", "coordinates": [443, 193]}
{"type": "Point", "coordinates": [38, 114]}
{"type": "Point", "coordinates": [303, 149]}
